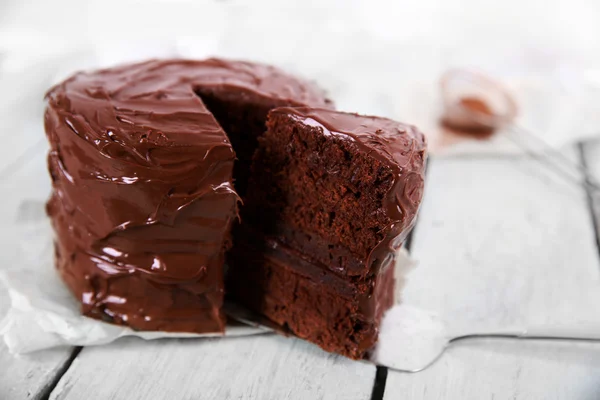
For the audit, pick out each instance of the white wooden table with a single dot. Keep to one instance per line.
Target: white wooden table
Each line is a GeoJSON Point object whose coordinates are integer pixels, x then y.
{"type": "Point", "coordinates": [499, 242]}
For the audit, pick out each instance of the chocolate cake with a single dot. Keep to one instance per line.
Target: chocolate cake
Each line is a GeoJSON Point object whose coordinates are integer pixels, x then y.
{"type": "Point", "coordinates": [332, 196]}
{"type": "Point", "coordinates": [142, 171]}
{"type": "Point", "coordinates": [149, 162]}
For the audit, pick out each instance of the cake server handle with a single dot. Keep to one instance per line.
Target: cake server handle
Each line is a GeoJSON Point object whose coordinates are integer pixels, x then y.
{"type": "Point", "coordinates": [541, 332]}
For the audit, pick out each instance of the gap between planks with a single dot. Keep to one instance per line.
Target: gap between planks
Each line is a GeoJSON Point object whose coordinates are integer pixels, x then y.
{"type": "Point", "coordinates": [46, 391]}
{"type": "Point", "coordinates": [590, 159]}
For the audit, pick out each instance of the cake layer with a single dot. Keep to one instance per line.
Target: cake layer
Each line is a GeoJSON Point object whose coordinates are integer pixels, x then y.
{"type": "Point", "coordinates": [342, 188]}
{"type": "Point", "coordinates": [143, 185]}
{"type": "Point", "coordinates": [309, 300]}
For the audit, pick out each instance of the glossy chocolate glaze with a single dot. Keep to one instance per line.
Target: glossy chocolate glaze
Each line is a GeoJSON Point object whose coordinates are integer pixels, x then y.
{"type": "Point", "coordinates": [143, 201]}
{"type": "Point", "coordinates": [400, 147]}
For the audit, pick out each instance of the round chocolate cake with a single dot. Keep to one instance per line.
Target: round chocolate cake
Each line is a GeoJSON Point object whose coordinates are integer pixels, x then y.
{"type": "Point", "coordinates": [149, 163]}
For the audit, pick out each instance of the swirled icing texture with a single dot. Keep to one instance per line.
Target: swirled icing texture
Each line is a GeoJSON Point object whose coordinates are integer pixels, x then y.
{"type": "Point", "coordinates": [143, 201]}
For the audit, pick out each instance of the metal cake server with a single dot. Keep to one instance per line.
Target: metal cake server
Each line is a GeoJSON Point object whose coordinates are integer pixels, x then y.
{"type": "Point", "coordinates": [411, 340]}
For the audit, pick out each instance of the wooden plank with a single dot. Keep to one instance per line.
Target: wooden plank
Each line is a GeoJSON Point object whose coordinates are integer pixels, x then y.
{"type": "Point", "coordinates": [500, 244]}
{"type": "Point", "coordinates": [260, 367]}
{"type": "Point", "coordinates": [505, 370]}
{"type": "Point", "coordinates": [31, 376]}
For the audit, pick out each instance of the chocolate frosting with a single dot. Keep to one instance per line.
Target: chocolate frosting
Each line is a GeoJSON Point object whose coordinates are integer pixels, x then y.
{"type": "Point", "coordinates": [399, 146]}
{"type": "Point", "coordinates": [142, 200]}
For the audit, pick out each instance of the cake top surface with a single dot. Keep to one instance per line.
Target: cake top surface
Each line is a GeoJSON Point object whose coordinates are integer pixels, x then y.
{"type": "Point", "coordinates": [383, 138]}
{"type": "Point", "coordinates": [155, 102]}
{"type": "Point", "coordinates": [142, 142]}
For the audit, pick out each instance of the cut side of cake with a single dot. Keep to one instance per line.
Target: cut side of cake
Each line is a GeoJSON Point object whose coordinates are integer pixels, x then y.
{"type": "Point", "coordinates": [334, 193]}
